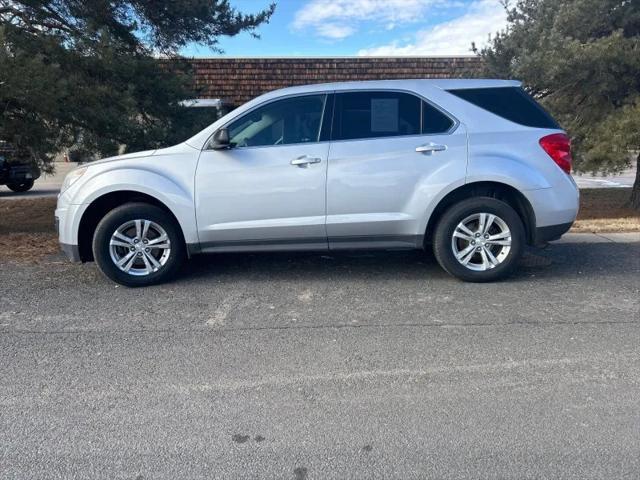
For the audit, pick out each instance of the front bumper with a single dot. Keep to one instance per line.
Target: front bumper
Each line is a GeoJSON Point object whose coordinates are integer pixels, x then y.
{"type": "Point", "coordinates": [66, 218]}
{"type": "Point", "coordinates": [72, 252]}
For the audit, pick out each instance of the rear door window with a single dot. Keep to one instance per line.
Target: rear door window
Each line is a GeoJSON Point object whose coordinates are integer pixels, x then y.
{"type": "Point", "coordinates": [375, 114]}
{"type": "Point", "coordinates": [511, 103]}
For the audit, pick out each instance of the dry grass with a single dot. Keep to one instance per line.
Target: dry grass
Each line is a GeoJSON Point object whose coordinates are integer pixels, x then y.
{"type": "Point", "coordinates": [32, 247]}
{"type": "Point", "coordinates": [28, 215]}
{"type": "Point", "coordinates": [604, 210]}
{"type": "Point", "coordinates": [606, 225]}
{"type": "Point", "coordinates": [27, 230]}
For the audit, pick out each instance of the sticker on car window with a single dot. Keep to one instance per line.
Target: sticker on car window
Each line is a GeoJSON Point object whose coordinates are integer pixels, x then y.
{"type": "Point", "coordinates": [384, 114]}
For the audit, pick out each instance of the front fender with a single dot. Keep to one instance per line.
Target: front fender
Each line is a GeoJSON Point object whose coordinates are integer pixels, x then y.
{"type": "Point", "coordinates": [174, 193]}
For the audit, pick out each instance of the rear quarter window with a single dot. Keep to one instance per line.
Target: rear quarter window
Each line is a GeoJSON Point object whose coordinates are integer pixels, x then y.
{"type": "Point", "coordinates": [511, 103]}
{"type": "Point", "coordinates": [434, 121]}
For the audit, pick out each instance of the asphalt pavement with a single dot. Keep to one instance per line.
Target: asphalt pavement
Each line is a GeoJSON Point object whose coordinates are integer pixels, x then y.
{"type": "Point", "coordinates": [308, 366]}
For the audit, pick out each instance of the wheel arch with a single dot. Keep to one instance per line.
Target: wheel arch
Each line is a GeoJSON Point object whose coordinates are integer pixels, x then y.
{"type": "Point", "coordinates": [102, 205]}
{"type": "Point", "coordinates": [501, 191]}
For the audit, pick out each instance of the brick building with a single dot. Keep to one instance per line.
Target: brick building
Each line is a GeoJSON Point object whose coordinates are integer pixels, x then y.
{"type": "Point", "coordinates": [237, 80]}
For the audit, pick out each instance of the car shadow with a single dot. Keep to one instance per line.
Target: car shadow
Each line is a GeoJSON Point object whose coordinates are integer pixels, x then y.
{"type": "Point", "coordinates": [557, 261]}
{"type": "Point", "coordinates": [286, 265]}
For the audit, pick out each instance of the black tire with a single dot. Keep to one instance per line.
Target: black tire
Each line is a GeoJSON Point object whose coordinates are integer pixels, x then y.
{"type": "Point", "coordinates": [23, 186]}
{"type": "Point", "coordinates": [443, 238]}
{"type": "Point", "coordinates": [126, 213]}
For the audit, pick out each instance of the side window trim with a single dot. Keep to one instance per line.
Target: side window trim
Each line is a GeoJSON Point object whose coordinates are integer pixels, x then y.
{"type": "Point", "coordinates": [326, 126]}
{"type": "Point", "coordinates": [454, 121]}
{"type": "Point", "coordinates": [326, 93]}
{"type": "Point", "coordinates": [331, 99]}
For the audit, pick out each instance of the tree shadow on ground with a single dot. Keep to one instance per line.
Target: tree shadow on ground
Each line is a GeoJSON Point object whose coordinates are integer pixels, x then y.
{"type": "Point", "coordinates": [50, 192]}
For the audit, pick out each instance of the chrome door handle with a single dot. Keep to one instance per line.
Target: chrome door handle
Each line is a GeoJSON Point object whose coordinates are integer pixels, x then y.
{"type": "Point", "coordinates": [305, 160]}
{"type": "Point", "coordinates": [430, 148]}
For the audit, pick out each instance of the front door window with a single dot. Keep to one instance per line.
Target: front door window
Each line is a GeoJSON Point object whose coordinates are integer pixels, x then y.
{"type": "Point", "coordinates": [283, 122]}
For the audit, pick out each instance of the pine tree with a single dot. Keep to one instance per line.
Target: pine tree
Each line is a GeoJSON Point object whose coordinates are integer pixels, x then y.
{"type": "Point", "coordinates": [86, 73]}
{"type": "Point", "coordinates": [581, 59]}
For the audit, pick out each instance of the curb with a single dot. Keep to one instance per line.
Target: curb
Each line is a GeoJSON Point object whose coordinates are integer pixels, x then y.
{"type": "Point", "coordinates": [626, 237]}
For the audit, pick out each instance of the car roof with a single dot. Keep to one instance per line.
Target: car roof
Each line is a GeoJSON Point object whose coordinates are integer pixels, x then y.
{"type": "Point", "coordinates": [441, 83]}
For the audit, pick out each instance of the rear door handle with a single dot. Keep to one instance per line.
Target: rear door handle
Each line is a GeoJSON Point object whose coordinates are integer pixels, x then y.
{"type": "Point", "coordinates": [305, 160]}
{"type": "Point", "coordinates": [430, 148]}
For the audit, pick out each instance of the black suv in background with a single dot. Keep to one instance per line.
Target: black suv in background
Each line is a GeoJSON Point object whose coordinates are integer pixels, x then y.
{"type": "Point", "coordinates": [15, 173]}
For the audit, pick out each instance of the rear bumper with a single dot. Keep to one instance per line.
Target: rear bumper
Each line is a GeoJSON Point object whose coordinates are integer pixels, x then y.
{"type": "Point", "coordinates": [22, 174]}
{"type": "Point", "coordinates": [555, 210]}
{"type": "Point", "coordinates": [551, 232]}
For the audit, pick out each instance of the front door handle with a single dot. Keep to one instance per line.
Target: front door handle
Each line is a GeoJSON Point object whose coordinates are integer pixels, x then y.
{"type": "Point", "coordinates": [431, 147]}
{"type": "Point", "coordinates": [305, 160]}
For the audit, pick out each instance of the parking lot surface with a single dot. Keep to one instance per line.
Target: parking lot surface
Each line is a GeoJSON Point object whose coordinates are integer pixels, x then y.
{"type": "Point", "coordinates": [324, 366]}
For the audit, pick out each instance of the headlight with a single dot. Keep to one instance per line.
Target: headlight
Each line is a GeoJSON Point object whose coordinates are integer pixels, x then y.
{"type": "Point", "coordinates": [71, 177]}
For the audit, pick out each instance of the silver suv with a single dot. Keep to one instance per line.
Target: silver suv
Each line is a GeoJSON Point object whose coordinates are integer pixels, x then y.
{"type": "Point", "coordinates": [475, 168]}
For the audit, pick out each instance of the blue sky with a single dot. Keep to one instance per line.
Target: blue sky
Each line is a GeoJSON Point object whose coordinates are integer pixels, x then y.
{"type": "Point", "coordinates": [364, 27]}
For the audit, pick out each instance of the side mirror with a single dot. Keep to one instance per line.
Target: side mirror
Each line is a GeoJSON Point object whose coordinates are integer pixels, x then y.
{"type": "Point", "coordinates": [221, 140]}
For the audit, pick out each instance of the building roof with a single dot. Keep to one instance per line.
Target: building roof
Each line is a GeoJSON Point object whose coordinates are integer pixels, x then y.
{"type": "Point", "coordinates": [237, 80]}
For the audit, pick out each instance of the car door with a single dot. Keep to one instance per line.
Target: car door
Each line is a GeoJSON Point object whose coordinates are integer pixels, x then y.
{"type": "Point", "coordinates": [268, 191]}
{"type": "Point", "coordinates": [391, 154]}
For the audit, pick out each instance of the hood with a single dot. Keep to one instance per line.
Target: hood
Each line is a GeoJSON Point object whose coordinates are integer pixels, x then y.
{"type": "Point", "coordinates": [126, 156]}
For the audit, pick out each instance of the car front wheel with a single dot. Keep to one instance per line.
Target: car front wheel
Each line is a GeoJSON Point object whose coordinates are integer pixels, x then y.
{"type": "Point", "coordinates": [479, 240]}
{"type": "Point", "coordinates": [23, 186]}
{"type": "Point", "coordinates": [138, 244]}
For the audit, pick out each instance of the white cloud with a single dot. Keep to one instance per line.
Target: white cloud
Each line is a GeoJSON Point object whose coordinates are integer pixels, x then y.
{"type": "Point", "coordinates": [453, 37]}
{"type": "Point", "coordinates": [334, 31]}
{"type": "Point", "coordinates": [336, 19]}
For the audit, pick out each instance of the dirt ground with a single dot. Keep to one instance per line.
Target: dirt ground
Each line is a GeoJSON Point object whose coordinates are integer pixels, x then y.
{"type": "Point", "coordinates": [603, 210]}
{"type": "Point", "coordinates": [31, 215]}
{"type": "Point", "coordinates": [27, 229]}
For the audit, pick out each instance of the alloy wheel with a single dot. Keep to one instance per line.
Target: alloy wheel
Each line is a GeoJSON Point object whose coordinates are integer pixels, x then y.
{"type": "Point", "coordinates": [481, 241]}
{"type": "Point", "coordinates": [139, 247]}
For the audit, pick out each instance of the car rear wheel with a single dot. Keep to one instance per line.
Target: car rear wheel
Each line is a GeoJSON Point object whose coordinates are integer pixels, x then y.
{"type": "Point", "coordinates": [138, 244]}
{"type": "Point", "coordinates": [479, 240]}
{"type": "Point", "coordinates": [20, 187]}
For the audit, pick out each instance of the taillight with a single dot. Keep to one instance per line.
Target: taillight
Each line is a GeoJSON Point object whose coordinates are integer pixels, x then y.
{"type": "Point", "coordinates": [558, 147]}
